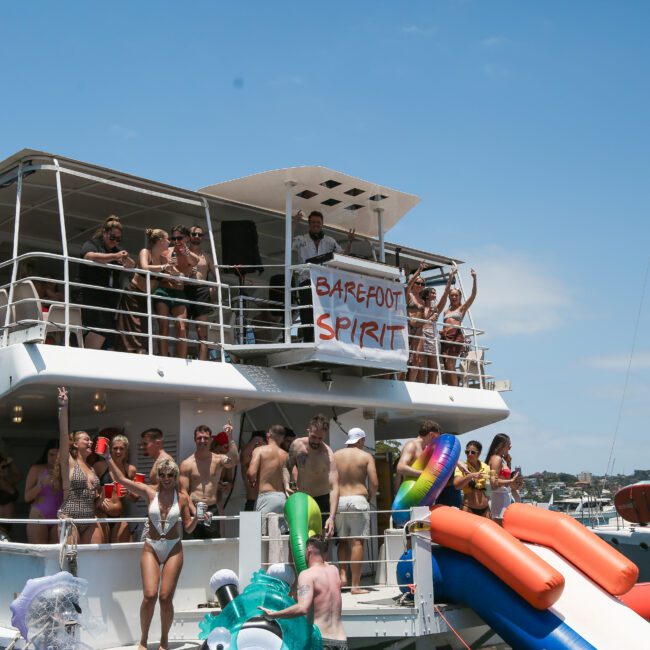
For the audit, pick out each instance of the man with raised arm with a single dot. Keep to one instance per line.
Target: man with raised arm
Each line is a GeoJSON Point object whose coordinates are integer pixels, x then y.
{"type": "Point", "coordinates": [264, 474]}
{"type": "Point", "coordinates": [151, 443]}
{"type": "Point", "coordinates": [200, 474]}
{"type": "Point", "coordinates": [318, 596]}
{"type": "Point", "coordinates": [317, 475]}
{"type": "Point", "coordinates": [358, 489]}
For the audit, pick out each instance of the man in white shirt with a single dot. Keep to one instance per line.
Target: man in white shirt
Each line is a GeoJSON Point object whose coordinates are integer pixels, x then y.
{"type": "Point", "coordinates": [314, 242]}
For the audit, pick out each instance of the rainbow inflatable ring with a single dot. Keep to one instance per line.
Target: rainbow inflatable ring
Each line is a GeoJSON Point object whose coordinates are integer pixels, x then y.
{"type": "Point", "coordinates": [437, 462]}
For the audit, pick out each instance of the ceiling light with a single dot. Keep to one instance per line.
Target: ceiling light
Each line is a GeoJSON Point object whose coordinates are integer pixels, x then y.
{"type": "Point", "coordinates": [17, 414]}
{"type": "Point", "coordinates": [228, 404]}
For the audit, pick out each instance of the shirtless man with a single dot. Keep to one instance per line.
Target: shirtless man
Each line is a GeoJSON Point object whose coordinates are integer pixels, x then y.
{"type": "Point", "coordinates": [317, 475]}
{"type": "Point", "coordinates": [265, 475]}
{"type": "Point", "coordinates": [356, 467]}
{"type": "Point", "coordinates": [257, 439]}
{"type": "Point", "coordinates": [429, 430]}
{"type": "Point", "coordinates": [200, 475]}
{"type": "Point", "coordinates": [319, 596]}
{"type": "Point", "coordinates": [151, 443]}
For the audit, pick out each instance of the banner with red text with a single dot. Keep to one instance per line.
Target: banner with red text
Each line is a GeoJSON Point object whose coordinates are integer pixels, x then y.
{"type": "Point", "coordinates": [359, 316]}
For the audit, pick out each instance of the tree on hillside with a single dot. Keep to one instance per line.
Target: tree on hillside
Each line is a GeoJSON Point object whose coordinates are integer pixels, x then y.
{"type": "Point", "coordinates": [388, 446]}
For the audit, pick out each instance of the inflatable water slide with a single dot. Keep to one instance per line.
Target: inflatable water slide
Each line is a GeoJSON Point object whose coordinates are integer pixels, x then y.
{"type": "Point", "coordinates": [542, 581]}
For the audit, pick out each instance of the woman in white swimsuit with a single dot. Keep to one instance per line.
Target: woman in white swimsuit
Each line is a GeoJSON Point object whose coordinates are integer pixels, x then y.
{"type": "Point", "coordinates": [162, 554]}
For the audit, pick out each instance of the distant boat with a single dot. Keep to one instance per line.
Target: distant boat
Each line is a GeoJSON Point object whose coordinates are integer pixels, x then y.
{"type": "Point", "coordinates": [587, 509]}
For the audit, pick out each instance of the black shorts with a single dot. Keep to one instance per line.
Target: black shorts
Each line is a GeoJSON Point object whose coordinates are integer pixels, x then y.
{"type": "Point", "coordinates": [197, 293]}
{"type": "Point", "coordinates": [98, 319]}
{"type": "Point", "coordinates": [206, 532]}
{"type": "Point", "coordinates": [323, 502]}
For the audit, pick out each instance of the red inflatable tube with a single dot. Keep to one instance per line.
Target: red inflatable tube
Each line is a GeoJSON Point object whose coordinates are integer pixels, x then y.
{"type": "Point", "coordinates": [568, 537]}
{"type": "Point", "coordinates": [497, 550]}
{"type": "Point", "coordinates": [638, 599]}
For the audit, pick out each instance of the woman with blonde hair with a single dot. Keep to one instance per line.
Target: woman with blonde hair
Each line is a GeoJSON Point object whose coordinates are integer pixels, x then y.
{"type": "Point", "coordinates": [81, 487]}
{"type": "Point", "coordinates": [132, 321]}
{"type": "Point", "coordinates": [99, 303]}
{"type": "Point", "coordinates": [120, 531]}
{"type": "Point", "coordinates": [162, 554]}
{"type": "Point", "coordinates": [44, 492]}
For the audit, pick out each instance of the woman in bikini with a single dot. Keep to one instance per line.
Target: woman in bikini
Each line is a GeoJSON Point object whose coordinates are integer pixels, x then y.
{"type": "Point", "coordinates": [121, 499]}
{"type": "Point", "coordinates": [82, 495]}
{"type": "Point", "coordinates": [431, 338]}
{"type": "Point", "coordinates": [502, 478]}
{"type": "Point", "coordinates": [415, 306]}
{"type": "Point", "coordinates": [162, 554]}
{"type": "Point", "coordinates": [452, 335]}
{"type": "Point", "coordinates": [44, 492]}
{"type": "Point", "coordinates": [474, 481]}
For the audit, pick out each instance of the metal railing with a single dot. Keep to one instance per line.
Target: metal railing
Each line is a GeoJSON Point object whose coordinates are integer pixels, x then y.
{"type": "Point", "coordinates": [244, 314]}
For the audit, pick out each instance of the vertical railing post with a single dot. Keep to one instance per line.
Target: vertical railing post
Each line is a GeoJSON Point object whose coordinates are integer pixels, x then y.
{"type": "Point", "coordinates": [288, 208]}
{"type": "Point", "coordinates": [66, 262]}
{"type": "Point", "coordinates": [217, 276]}
{"type": "Point", "coordinates": [380, 233]}
{"type": "Point", "coordinates": [14, 269]}
{"type": "Point", "coordinates": [147, 279]}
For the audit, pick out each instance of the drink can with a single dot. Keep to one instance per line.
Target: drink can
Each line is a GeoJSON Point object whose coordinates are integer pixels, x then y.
{"type": "Point", "coordinates": [208, 519]}
{"type": "Point", "coordinates": [200, 509]}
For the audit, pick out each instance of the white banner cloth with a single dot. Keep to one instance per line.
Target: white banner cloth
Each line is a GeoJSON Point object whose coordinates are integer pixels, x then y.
{"type": "Point", "coordinates": [359, 316]}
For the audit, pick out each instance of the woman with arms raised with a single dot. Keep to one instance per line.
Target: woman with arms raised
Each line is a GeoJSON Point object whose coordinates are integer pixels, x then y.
{"type": "Point", "coordinates": [162, 554]}
{"type": "Point", "coordinates": [80, 483]}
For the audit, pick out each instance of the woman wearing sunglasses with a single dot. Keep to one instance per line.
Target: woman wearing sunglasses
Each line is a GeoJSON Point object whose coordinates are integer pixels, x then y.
{"type": "Point", "coordinates": [474, 482]}
{"type": "Point", "coordinates": [171, 301]}
{"type": "Point", "coordinates": [105, 250]}
{"type": "Point", "coordinates": [162, 554]}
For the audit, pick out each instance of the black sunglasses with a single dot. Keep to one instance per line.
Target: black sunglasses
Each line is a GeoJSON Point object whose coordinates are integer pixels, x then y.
{"type": "Point", "coordinates": [178, 238]}
{"type": "Point", "coordinates": [471, 452]}
{"type": "Point", "coordinates": [114, 238]}
{"type": "Point", "coordinates": [170, 475]}
{"type": "Point", "coordinates": [196, 234]}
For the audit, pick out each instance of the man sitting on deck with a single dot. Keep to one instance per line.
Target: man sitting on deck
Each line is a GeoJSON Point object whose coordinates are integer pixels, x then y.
{"type": "Point", "coordinates": [319, 596]}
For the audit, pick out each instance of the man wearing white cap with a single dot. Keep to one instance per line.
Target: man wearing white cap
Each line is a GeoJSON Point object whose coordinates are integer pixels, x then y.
{"type": "Point", "coordinates": [358, 487]}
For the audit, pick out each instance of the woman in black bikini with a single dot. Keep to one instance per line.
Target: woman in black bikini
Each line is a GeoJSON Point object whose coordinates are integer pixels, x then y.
{"type": "Point", "coordinates": [474, 482]}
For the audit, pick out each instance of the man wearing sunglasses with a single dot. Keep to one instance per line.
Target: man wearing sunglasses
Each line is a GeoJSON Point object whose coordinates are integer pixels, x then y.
{"type": "Point", "coordinates": [203, 270]}
{"type": "Point", "coordinates": [105, 251]}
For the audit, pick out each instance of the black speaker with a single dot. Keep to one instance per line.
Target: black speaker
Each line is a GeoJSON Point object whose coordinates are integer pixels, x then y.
{"type": "Point", "coordinates": [240, 247]}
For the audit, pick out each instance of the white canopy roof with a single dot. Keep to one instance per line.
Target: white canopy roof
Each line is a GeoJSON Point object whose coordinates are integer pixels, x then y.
{"type": "Point", "coordinates": [345, 201]}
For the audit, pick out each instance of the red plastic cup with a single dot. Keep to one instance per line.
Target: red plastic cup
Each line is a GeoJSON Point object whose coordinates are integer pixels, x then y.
{"type": "Point", "coordinates": [121, 490]}
{"type": "Point", "coordinates": [108, 490]}
{"type": "Point", "coordinates": [139, 478]}
{"type": "Point", "coordinates": [101, 445]}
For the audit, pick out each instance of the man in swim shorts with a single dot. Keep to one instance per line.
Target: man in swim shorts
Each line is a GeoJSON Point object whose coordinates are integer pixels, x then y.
{"type": "Point", "coordinates": [265, 475]}
{"type": "Point", "coordinates": [200, 475]}
{"type": "Point", "coordinates": [317, 475]}
{"type": "Point", "coordinates": [356, 469]}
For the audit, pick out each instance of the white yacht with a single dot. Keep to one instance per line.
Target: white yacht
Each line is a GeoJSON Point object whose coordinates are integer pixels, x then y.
{"type": "Point", "coordinates": [257, 375]}
{"type": "Point", "coordinates": [587, 509]}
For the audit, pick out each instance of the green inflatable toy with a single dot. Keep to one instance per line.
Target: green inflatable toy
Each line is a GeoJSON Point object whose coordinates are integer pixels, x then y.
{"type": "Point", "coordinates": [304, 519]}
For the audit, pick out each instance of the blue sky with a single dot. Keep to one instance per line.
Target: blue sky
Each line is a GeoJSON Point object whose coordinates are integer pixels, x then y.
{"type": "Point", "coordinates": [523, 127]}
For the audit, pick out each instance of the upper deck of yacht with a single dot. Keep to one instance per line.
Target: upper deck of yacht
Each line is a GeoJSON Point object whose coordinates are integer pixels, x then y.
{"type": "Point", "coordinates": [50, 205]}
